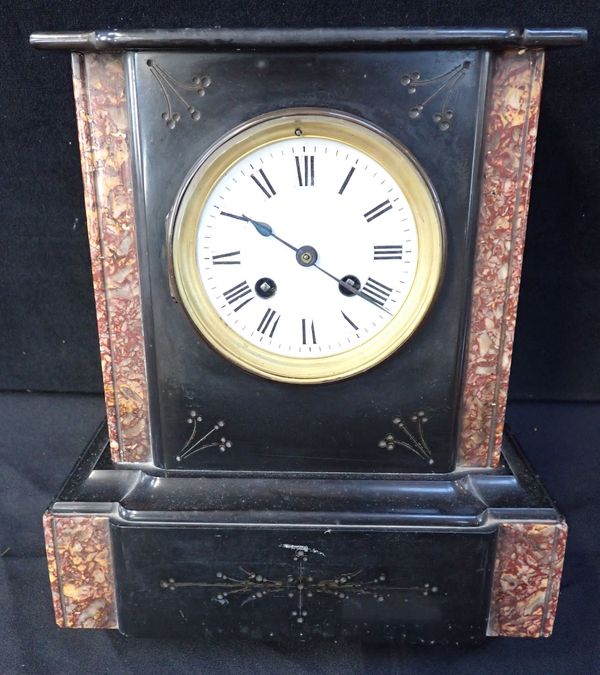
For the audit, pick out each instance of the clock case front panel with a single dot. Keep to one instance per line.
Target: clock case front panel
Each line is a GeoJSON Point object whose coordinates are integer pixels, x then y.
{"type": "Point", "coordinates": [273, 426]}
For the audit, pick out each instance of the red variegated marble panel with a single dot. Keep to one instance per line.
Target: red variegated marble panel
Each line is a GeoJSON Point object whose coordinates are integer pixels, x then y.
{"type": "Point", "coordinates": [99, 84]}
{"type": "Point", "coordinates": [554, 580]}
{"type": "Point", "coordinates": [53, 570]}
{"type": "Point", "coordinates": [526, 584]}
{"type": "Point", "coordinates": [509, 146]}
{"type": "Point", "coordinates": [81, 572]}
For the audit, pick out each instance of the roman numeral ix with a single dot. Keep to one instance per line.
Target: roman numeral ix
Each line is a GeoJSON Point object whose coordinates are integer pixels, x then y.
{"type": "Point", "coordinates": [305, 167]}
{"type": "Point", "coordinates": [267, 321]}
{"type": "Point", "coordinates": [389, 252]}
{"type": "Point", "coordinates": [238, 293]}
{"type": "Point", "coordinates": [377, 292]}
{"type": "Point", "coordinates": [263, 183]}
{"type": "Point", "coordinates": [378, 210]}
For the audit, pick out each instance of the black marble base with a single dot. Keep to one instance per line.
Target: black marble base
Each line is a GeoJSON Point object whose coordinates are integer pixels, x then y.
{"type": "Point", "coordinates": [407, 559]}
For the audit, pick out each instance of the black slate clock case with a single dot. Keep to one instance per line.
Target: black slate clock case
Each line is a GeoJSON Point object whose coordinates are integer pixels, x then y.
{"type": "Point", "coordinates": [277, 427]}
{"type": "Point", "coordinates": [296, 522]}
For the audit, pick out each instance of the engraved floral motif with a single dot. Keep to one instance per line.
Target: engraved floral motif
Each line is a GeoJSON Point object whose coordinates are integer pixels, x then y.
{"type": "Point", "coordinates": [300, 586]}
{"type": "Point", "coordinates": [410, 440]}
{"type": "Point", "coordinates": [172, 89]}
{"type": "Point", "coordinates": [440, 83]}
{"type": "Point", "coordinates": [196, 442]}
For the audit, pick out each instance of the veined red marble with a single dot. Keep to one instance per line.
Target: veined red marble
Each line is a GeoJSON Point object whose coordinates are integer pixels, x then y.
{"type": "Point", "coordinates": [526, 584]}
{"type": "Point", "coordinates": [509, 146]}
{"type": "Point", "coordinates": [79, 555]}
{"type": "Point", "coordinates": [53, 570]}
{"type": "Point", "coordinates": [99, 84]}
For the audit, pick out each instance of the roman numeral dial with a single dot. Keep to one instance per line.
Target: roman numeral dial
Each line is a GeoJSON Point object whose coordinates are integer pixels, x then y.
{"type": "Point", "coordinates": [379, 293]}
{"type": "Point", "coordinates": [388, 252]}
{"type": "Point", "coordinates": [263, 183]}
{"type": "Point", "coordinates": [239, 296]}
{"type": "Point", "coordinates": [231, 258]}
{"type": "Point", "coordinates": [378, 210]}
{"type": "Point", "coordinates": [346, 180]}
{"type": "Point", "coordinates": [307, 249]}
{"type": "Point", "coordinates": [268, 323]}
{"type": "Point", "coordinates": [309, 333]}
{"type": "Point", "coordinates": [305, 170]}
{"type": "Point", "coordinates": [349, 320]}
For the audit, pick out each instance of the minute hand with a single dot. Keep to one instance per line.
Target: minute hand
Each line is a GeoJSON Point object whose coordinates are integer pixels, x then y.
{"type": "Point", "coordinates": [352, 289]}
{"type": "Point", "coordinates": [266, 230]}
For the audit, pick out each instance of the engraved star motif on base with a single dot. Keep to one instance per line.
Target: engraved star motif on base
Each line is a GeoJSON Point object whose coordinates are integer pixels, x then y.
{"type": "Point", "coordinates": [301, 586]}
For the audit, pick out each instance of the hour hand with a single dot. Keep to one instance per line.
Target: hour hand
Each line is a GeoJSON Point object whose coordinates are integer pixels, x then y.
{"type": "Point", "coordinates": [267, 231]}
{"type": "Point", "coordinates": [262, 228]}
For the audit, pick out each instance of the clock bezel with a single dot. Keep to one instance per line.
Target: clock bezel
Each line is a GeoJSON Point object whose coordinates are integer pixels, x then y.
{"type": "Point", "coordinates": [314, 123]}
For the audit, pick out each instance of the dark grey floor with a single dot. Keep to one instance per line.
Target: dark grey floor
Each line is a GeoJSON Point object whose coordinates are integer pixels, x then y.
{"type": "Point", "coordinates": [42, 434]}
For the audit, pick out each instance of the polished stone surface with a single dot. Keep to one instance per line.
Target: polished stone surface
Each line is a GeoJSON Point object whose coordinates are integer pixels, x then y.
{"type": "Point", "coordinates": [42, 436]}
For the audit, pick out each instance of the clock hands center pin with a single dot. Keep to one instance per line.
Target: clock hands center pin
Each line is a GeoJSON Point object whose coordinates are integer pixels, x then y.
{"type": "Point", "coordinates": [307, 256]}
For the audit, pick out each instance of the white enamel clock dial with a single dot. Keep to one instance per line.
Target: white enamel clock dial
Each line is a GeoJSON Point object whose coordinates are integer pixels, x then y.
{"type": "Point", "coordinates": [307, 248]}
{"type": "Point", "coordinates": [329, 201]}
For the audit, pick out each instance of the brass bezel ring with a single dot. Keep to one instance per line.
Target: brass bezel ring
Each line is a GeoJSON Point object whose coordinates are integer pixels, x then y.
{"type": "Point", "coordinates": [314, 123]}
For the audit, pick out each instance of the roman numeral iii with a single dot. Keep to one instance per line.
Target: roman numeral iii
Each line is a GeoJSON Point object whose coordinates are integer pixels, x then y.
{"type": "Point", "coordinates": [378, 210]}
{"type": "Point", "coordinates": [238, 296]}
{"type": "Point", "coordinates": [305, 168]}
{"type": "Point", "coordinates": [260, 178]}
{"type": "Point", "coordinates": [389, 252]}
{"type": "Point", "coordinates": [378, 292]}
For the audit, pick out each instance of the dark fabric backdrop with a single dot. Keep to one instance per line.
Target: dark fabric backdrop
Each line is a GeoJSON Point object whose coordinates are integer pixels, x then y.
{"type": "Point", "coordinates": [48, 338]}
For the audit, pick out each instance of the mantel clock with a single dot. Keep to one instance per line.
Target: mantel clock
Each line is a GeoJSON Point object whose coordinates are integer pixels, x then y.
{"type": "Point", "coordinates": [306, 251]}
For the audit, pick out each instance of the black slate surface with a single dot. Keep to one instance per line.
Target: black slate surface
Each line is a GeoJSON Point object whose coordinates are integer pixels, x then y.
{"type": "Point", "coordinates": [42, 434]}
{"type": "Point", "coordinates": [47, 329]}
